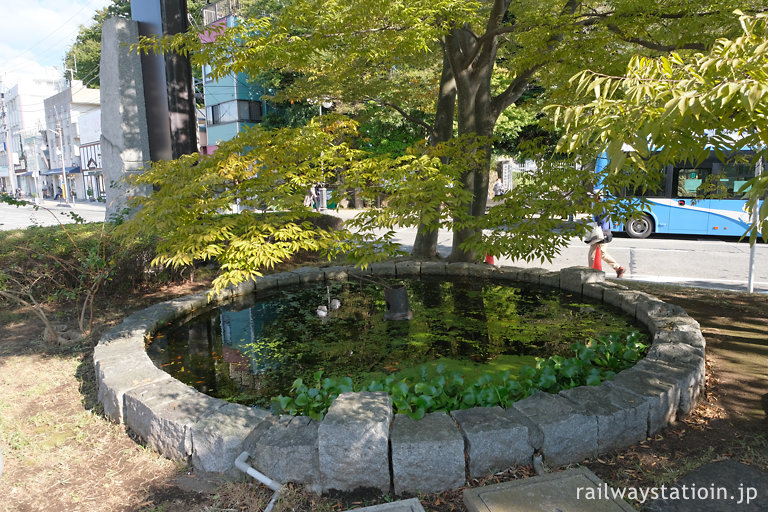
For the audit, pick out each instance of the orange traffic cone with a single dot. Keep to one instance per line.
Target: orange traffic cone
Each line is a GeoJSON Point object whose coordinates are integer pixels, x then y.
{"type": "Point", "coordinates": [489, 259]}
{"type": "Point", "coordinates": [598, 263]}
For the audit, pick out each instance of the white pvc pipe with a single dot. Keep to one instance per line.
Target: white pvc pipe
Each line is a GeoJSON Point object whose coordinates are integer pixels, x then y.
{"type": "Point", "coordinates": [261, 477]}
{"type": "Point", "coordinates": [249, 470]}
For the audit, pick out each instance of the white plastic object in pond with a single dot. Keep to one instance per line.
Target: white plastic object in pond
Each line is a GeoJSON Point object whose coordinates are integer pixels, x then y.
{"type": "Point", "coordinates": [261, 477]}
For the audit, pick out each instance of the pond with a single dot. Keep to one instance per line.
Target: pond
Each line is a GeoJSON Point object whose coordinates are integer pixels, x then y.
{"type": "Point", "coordinates": [252, 350]}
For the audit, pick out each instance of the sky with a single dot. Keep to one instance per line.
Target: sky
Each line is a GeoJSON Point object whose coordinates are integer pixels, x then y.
{"type": "Point", "coordinates": [37, 33]}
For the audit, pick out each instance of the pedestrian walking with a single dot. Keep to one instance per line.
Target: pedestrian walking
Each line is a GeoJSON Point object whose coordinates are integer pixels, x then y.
{"type": "Point", "coordinates": [603, 221]}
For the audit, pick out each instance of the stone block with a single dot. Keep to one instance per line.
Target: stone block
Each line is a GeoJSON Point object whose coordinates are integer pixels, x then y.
{"type": "Point", "coordinates": [680, 323]}
{"type": "Point", "coordinates": [550, 279]}
{"type": "Point", "coordinates": [218, 438]}
{"type": "Point", "coordinates": [427, 455]}
{"type": "Point", "coordinates": [677, 353]}
{"type": "Point", "coordinates": [336, 273]}
{"type": "Point", "coordinates": [531, 275]}
{"type": "Point", "coordinates": [124, 331]}
{"type": "Point", "coordinates": [594, 291]}
{"type": "Point", "coordinates": [117, 377]}
{"type": "Point", "coordinates": [122, 349]}
{"type": "Point", "coordinates": [649, 309]}
{"type": "Point", "coordinates": [353, 442]}
{"type": "Point", "coordinates": [464, 269]}
{"type": "Point", "coordinates": [625, 300]}
{"type": "Point", "coordinates": [358, 271]}
{"type": "Point", "coordinates": [673, 337]}
{"type": "Point", "coordinates": [563, 432]}
{"type": "Point", "coordinates": [238, 290]}
{"type": "Point", "coordinates": [384, 268]}
{"type": "Point", "coordinates": [622, 419]}
{"type": "Point", "coordinates": [265, 283]}
{"type": "Point", "coordinates": [408, 268]}
{"type": "Point", "coordinates": [432, 268]}
{"type": "Point", "coordinates": [163, 413]}
{"type": "Point", "coordinates": [662, 398]}
{"type": "Point", "coordinates": [309, 275]}
{"type": "Point", "coordinates": [285, 449]}
{"type": "Point", "coordinates": [495, 439]}
{"type": "Point", "coordinates": [507, 273]}
{"type": "Point", "coordinates": [688, 380]}
{"type": "Point", "coordinates": [573, 279]}
{"type": "Point", "coordinates": [287, 280]}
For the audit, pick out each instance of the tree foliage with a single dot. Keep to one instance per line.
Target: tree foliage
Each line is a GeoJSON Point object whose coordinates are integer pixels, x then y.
{"type": "Point", "coordinates": [454, 69]}
{"type": "Point", "coordinates": [674, 109]}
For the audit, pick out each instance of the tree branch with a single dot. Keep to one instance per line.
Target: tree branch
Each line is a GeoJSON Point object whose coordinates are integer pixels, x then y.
{"type": "Point", "coordinates": [512, 93]}
{"type": "Point", "coordinates": [403, 113]}
{"type": "Point", "coordinates": [651, 45]}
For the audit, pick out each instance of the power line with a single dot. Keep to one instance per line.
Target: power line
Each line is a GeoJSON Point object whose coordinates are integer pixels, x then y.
{"type": "Point", "coordinates": [28, 50]}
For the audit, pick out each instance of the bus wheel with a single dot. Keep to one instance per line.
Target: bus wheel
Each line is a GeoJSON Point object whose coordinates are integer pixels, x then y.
{"type": "Point", "coordinates": [641, 227]}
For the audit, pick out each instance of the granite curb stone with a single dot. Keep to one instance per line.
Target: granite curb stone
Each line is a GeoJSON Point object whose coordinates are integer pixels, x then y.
{"type": "Point", "coordinates": [427, 455]}
{"type": "Point", "coordinates": [495, 439]}
{"type": "Point", "coordinates": [353, 442]}
{"type": "Point", "coordinates": [163, 413]}
{"type": "Point", "coordinates": [219, 437]}
{"type": "Point", "coordinates": [620, 421]}
{"type": "Point", "coordinates": [285, 449]}
{"type": "Point", "coordinates": [563, 432]}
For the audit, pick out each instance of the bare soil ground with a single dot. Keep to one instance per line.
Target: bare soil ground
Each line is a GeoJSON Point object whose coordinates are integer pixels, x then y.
{"type": "Point", "coordinates": [60, 453]}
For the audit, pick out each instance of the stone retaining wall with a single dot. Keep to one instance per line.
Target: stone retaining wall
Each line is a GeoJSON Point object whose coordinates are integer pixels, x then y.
{"type": "Point", "coordinates": [360, 444]}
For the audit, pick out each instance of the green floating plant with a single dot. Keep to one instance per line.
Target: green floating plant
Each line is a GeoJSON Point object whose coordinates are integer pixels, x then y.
{"type": "Point", "coordinates": [592, 363]}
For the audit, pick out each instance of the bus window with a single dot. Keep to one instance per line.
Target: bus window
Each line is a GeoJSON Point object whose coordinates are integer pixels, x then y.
{"type": "Point", "coordinates": [692, 183]}
{"type": "Point", "coordinates": [733, 176]}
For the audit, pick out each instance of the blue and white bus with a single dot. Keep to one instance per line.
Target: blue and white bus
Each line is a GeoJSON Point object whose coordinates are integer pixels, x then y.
{"type": "Point", "coordinates": [694, 200]}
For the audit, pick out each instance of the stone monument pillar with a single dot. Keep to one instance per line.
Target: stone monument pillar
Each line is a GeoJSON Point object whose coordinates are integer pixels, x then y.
{"type": "Point", "coordinates": [124, 135]}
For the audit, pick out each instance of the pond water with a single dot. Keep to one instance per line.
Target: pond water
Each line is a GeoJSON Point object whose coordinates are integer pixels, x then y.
{"type": "Point", "coordinates": [252, 350]}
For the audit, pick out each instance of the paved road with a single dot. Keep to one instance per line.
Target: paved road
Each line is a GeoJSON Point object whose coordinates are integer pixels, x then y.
{"type": "Point", "coordinates": [705, 262]}
{"type": "Point", "coordinates": [695, 261]}
{"type": "Point", "coordinates": [48, 213]}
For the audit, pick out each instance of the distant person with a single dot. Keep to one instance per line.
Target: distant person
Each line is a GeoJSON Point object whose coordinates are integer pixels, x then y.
{"type": "Point", "coordinates": [604, 222]}
{"type": "Point", "coordinates": [499, 188]}
{"type": "Point", "coordinates": [59, 193]}
{"type": "Point", "coordinates": [315, 201]}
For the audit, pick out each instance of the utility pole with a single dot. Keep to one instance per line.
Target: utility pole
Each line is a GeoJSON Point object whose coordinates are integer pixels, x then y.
{"type": "Point", "coordinates": [36, 173]}
{"type": "Point", "coordinates": [755, 218]}
{"type": "Point", "coordinates": [61, 149]}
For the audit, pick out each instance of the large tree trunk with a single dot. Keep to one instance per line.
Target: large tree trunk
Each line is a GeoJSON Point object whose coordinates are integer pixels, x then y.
{"type": "Point", "coordinates": [473, 86]}
{"type": "Point", "coordinates": [425, 245]}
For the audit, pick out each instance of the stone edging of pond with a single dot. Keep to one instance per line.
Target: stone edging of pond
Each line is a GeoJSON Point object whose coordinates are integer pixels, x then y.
{"type": "Point", "coordinates": [360, 443]}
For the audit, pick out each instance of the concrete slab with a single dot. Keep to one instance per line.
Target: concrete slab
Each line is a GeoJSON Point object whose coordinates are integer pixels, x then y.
{"type": "Point", "coordinates": [724, 485]}
{"type": "Point", "coordinates": [575, 490]}
{"type": "Point", "coordinates": [410, 505]}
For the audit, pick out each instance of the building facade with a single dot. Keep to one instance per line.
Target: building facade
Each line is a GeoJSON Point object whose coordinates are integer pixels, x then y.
{"type": "Point", "coordinates": [65, 175]}
{"type": "Point", "coordinates": [232, 102]}
{"type": "Point", "coordinates": [22, 116]}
